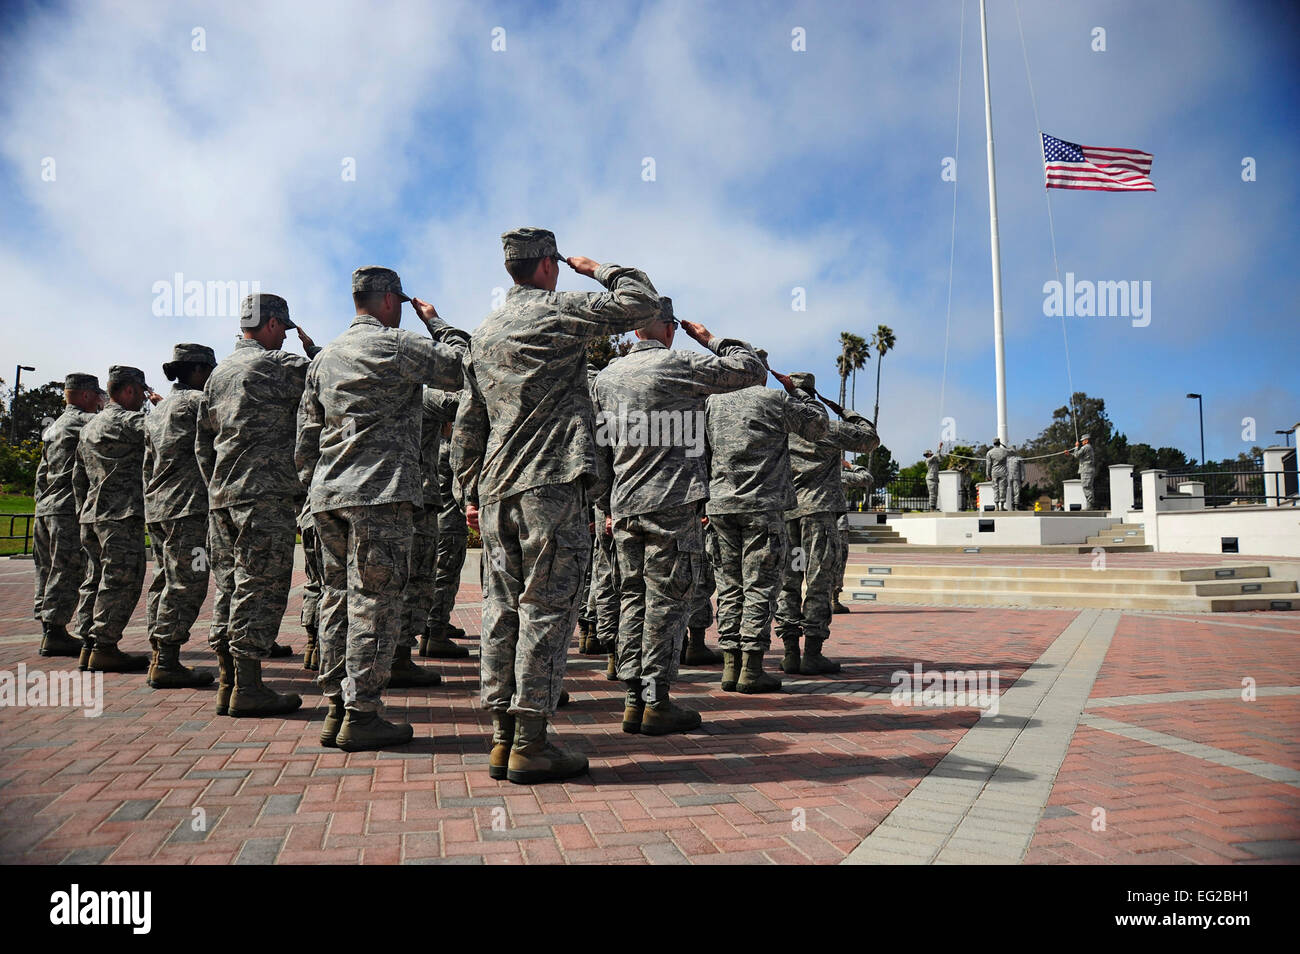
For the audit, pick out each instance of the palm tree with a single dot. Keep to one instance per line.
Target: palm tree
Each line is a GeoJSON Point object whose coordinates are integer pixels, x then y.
{"type": "Point", "coordinates": [883, 342]}
{"type": "Point", "coordinates": [853, 355]}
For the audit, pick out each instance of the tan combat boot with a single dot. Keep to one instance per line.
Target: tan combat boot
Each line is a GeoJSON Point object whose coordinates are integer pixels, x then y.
{"type": "Point", "coordinates": [329, 731]}
{"type": "Point", "coordinates": [503, 737]}
{"type": "Point", "coordinates": [250, 698]}
{"type": "Point", "coordinates": [169, 673]}
{"type": "Point", "coordinates": [730, 669]}
{"type": "Point", "coordinates": [363, 731]}
{"type": "Point", "coordinates": [752, 677]}
{"type": "Point", "coordinates": [109, 658]}
{"type": "Point", "coordinates": [57, 642]}
{"type": "Point", "coordinates": [633, 707]}
{"type": "Point", "coordinates": [584, 636]}
{"type": "Point", "coordinates": [662, 716]}
{"type": "Point", "coordinates": [311, 655]}
{"type": "Point", "coordinates": [814, 663]}
{"type": "Point", "coordinates": [695, 652]}
{"type": "Point", "coordinates": [790, 661]}
{"type": "Point", "coordinates": [611, 667]}
{"type": "Point", "coordinates": [225, 679]}
{"type": "Point", "coordinates": [87, 647]}
{"type": "Point", "coordinates": [407, 675]}
{"type": "Point", "coordinates": [534, 759]}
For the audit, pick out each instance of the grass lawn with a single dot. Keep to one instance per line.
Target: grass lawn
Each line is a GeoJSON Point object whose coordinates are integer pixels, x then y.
{"type": "Point", "coordinates": [10, 504]}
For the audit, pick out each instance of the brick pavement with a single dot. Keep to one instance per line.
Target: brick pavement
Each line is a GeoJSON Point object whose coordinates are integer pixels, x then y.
{"type": "Point", "coordinates": [798, 778]}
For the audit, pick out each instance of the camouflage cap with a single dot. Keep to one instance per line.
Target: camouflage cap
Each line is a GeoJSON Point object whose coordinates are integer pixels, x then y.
{"type": "Point", "coordinates": [125, 374]}
{"type": "Point", "coordinates": [1086, 437]}
{"type": "Point", "coordinates": [804, 381]}
{"type": "Point", "coordinates": [80, 381]}
{"type": "Point", "coordinates": [255, 308]}
{"type": "Point", "coordinates": [666, 309]}
{"type": "Point", "coordinates": [376, 278]}
{"type": "Point", "coordinates": [762, 355]}
{"type": "Point", "coordinates": [194, 353]}
{"type": "Point", "coordinates": [525, 243]}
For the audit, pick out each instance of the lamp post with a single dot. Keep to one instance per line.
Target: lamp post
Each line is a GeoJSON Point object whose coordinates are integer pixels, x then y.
{"type": "Point", "coordinates": [1200, 406]}
{"type": "Point", "coordinates": [1286, 436]}
{"type": "Point", "coordinates": [13, 402]}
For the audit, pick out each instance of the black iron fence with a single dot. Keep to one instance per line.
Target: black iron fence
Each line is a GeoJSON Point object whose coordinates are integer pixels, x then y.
{"type": "Point", "coordinates": [1246, 484]}
{"type": "Point", "coordinates": [15, 543]}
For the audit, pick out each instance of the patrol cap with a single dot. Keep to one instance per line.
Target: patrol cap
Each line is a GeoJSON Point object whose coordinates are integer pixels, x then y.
{"type": "Point", "coordinates": [125, 374]}
{"type": "Point", "coordinates": [525, 243]}
{"type": "Point", "coordinates": [666, 310]}
{"type": "Point", "coordinates": [80, 381]}
{"type": "Point", "coordinates": [762, 356]}
{"type": "Point", "coordinates": [254, 309]}
{"type": "Point", "coordinates": [804, 381]}
{"type": "Point", "coordinates": [1086, 437]}
{"type": "Point", "coordinates": [189, 354]}
{"type": "Point", "coordinates": [376, 278]}
{"type": "Point", "coordinates": [928, 454]}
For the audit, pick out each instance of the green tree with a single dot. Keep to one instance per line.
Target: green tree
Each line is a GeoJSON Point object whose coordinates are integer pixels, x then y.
{"type": "Point", "coordinates": [882, 342]}
{"type": "Point", "coordinates": [882, 465]}
{"type": "Point", "coordinates": [1090, 415]}
{"type": "Point", "coordinates": [601, 351]}
{"type": "Point", "coordinates": [853, 355]}
{"type": "Point", "coordinates": [33, 407]}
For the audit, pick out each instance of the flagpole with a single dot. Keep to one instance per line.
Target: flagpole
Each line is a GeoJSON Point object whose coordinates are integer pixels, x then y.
{"type": "Point", "coordinates": [999, 346]}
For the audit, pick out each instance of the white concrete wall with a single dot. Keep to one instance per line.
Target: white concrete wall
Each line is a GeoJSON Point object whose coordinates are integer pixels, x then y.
{"type": "Point", "coordinates": [1021, 529]}
{"type": "Point", "coordinates": [1073, 494]}
{"type": "Point", "coordinates": [1260, 531]}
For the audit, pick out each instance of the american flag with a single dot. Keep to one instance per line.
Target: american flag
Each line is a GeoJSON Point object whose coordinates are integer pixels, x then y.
{"type": "Point", "coordinates": [1071, 166]}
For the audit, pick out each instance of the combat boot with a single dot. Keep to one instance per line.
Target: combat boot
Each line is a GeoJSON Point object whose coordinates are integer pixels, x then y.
{"type": "Point", "coordinates": [534, 759]}
{"type": "Point", "coordinates": [362, 731]}
{"type": "Point", "coordinates": [503, 737]}
{"type": "Point", "coordinates": [836, 606]}
{"type": "Point", "coordinates": [153, 660]}
{"type": "Point", "coordinates": [790, 661]}
{"type": "Point", "coordinates": [454, 632]}
{"type": "Point", "coordinates": [329, 732]}
{"type": "Point", "coordinates": [730, 669]}
{"type": "Point", "coordinates": [87, 647]}
{"type": "Point", "coordinates": [108, 658]}
{"type": "Point", "coordinates": [440, 647]}
{"type": "Point", "coordinates": [310, 657]}
{"type": "Point", "coordinates": [633, 707]}
{"type": "Point", "coordinates": [407, 675]}
{"type": "Point", "coordinates": [696, 653]}
{"type": "Point", "coordinates": [225, 679]}
{"type": "Point", "coordinates": [611, 667]}
{"type": "Point", "coordinates": [56, 641]}
{"type": "Point", "coordinates": [169, 673]}
{"type": "Point", "coordinates": [584, 636]}
{"type": "Point", "coordinates": [280, 652]}
{"type": "Point", "coordinates": [662, 716]}
{"type": "Point", "coordinates": [814, 663]}
{"type": "Point", "coordinates": [251, 698]}
{"type": "Point", "coordinates": [563, 701]}
{"type": "Point", "coordinates": [753, 678]}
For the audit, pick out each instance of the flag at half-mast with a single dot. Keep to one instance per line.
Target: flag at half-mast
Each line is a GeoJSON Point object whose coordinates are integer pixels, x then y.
{"type": "Point", "coordinates": [1100, 169]}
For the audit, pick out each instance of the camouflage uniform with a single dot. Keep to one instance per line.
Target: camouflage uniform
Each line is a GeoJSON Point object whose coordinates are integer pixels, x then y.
{"type": "Point", "coordinates": [1086, 457]}
{"type": "Point", "coordinates": [452, 546]}
{"type": "Point", "coordinates": [932, 465]}
{"type": "Point", "coordinates": [995, 462]}
{"type": "Point", "coordinates": [749, 488]}
{"type": "Point", "coordinates": [107, 482]}
{"type": "Point", "coordinates": [523, 451]}
{"type": "Point", "coordinates": [660, 480]}
{"type": "Point", "coordinates": [602, 605]}
{"type": "Point", "coordinates": [246, 424]}
{"type": "Point", "coordinates": [60, 559]}
{"type": "Point", "coordinates": [359, 445]}
{"type": "Point", "coordinates": [310, 614]}
{"type": "Point", "coordinates": [815, 467]}
{"type": "Point", "coordinates": [857, 477]}
{"type": "Point", "coordinates": [1015, 479]}
{"type": "Point", "coordinates": [438, 407]}
{"type": "Point", "coordinates": [176, 509]}
{"type": "Point", "coordinates": [702, 602]}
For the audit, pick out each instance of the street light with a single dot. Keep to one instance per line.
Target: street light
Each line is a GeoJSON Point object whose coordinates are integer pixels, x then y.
{"type": "Point", "coordinates": [13, 401]}
{"type": "Point", "coordinates": [1201, 409]}
{"type": "Point", "coordinates": [1287, 435]}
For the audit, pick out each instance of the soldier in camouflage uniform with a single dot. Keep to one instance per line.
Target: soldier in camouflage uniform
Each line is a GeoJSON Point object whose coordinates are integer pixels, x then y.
{"type": "Point", "coordinates": [523, 451]}
{"type": "Point", "coordinates": [176, 512]}
{"type": "Point", "coordinates": [859, 478]}
{"type": "Point", "coordinates": [439, 410]}
{"type": "Point", "coordinates": [814, 539]}
{"type": "Point", "coordinates": [359, 432]}
{"type": "Point", "coordinates": [694, 651]}
{"type": "Point", "coordinates": [932, 465]}
{"type": "Point", "coordinates": [107, 483]}
{"type": "Point", "coordinates": [650, 428]}
{"type": "Point", "coordinates": [60, 559]}
{"type": "Point", "coordinates": [749, 490]}
{"type": "Point", "coordinates": [1015, 478]}
{"type": "Point", "coordinates": [1086, 456]}
{"type": "Point", "coordinates": [246, 424]}
{"type": "Point", "coordinates": [453, 543]}
{"type": "Point", "coordinates": [310, 613]}
{"type": "Point", "coordinates": [995, 463]}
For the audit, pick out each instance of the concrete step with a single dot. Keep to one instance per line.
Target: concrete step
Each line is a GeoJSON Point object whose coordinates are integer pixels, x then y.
{"type": "Point", "coordinates": [1072, 600]}
{"type": "Point", "coordinates": [1083, 574]}
{"type": "Point", "coordinates": [1107, 539]}
{"type": "Point", "coordinates": [1114, 584]}
{"type": "Point", "coordinates": [884, 548]}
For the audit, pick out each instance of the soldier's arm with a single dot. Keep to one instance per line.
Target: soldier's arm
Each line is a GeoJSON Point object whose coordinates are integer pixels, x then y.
{"type": "Point", "coordinates": [856, 476]}
{"type": "Point", "coordinates": [441, 332]}
{"type": "Point", "coordinates": [468, 441]}
{"type": "Point", "coordinates": [441, 405]}
{"type": "Point", "coordinates": [204, 436]}
{"type": "Point", "coordinates": [311, 417]}
{"type": "Point", "coordinates": [603, 486]}
{"type": "Point", "coordinates": [804, 416]}
{"type": "Point", "coordinates": [629, 303]}
{"type": "Point", "coordinates": [425, 361]}
{"type": "Point", "coordinates": [732, 366]}
{"type": "Point", "coordinates": [80, 480]}
{"type": "Point", "coordinates": [854, 433]}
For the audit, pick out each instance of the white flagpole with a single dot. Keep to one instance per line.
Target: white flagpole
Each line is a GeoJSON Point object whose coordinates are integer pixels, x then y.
{"type": "Point", "coordinates": [999, 347]}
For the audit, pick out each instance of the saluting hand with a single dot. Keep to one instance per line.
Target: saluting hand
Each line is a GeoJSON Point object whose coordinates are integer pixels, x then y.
{"type": "Point", "coordinates": [696, 331]}
{"type": "Point", "coordinates": [471, 516]}
{"type": "Point", "coordinates": [784, 381]}
{"type": "Point", "coordinates": [305, 338]}
{"type": "Point", "coordinates": [582, 265]}
{"type": "Point", "coordinates": [425, 311]}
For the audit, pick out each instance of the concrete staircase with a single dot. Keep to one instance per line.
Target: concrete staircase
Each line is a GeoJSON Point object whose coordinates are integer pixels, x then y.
{"type": "Point", "coordinates": [1119, 538]}
{"type": "Point", "coordinates": [1126, 534]}
{"type": "Point", "coordinates": [1222, 589]}
{"type": "Point", "coordinates": [877, 533]}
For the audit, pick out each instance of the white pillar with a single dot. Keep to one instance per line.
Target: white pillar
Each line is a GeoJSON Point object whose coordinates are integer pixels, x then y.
{"type": "Point", "coordinates": [1072, 493]}
{"type": "Point", "coordinates": [1273, 482]}
{"type": "Point", "coordinates": [1153, 485]}
{"type": "Point", "coordinates": [1121, 489]}
{"type": "Point", "coordinates": [999, 347]}
{"type": "Point", "coordinates": [984, 495]}
{"type": "Point", "coordinates": [949, 491]}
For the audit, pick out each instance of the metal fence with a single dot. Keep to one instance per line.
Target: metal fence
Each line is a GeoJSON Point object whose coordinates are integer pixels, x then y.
{"type": "Point", "coordinates": [25, 537]}
{"type": "Point", "coordinates": [1246, 484]}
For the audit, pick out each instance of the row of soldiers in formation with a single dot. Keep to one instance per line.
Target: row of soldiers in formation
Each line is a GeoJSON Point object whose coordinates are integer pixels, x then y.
{"type": "Point", "coordinates": [219, 469]}
{"type": "Point", "coordinates": [1006, 470]}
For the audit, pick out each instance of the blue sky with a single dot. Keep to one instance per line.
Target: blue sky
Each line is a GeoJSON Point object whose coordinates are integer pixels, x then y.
{"type": "Point", "coordinates": [775, 169]}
